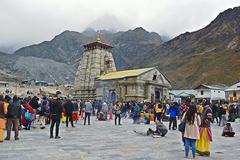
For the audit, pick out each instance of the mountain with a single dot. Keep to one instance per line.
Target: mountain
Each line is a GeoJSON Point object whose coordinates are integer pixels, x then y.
{"type": "Point", "coordinates": [209, 55]}
{"type": "Point", "coordinates": [15, 68]}
{"type": "Point", "coordinates": [57, 59]}
{"type": "Point", "coordinates": [67, 46]}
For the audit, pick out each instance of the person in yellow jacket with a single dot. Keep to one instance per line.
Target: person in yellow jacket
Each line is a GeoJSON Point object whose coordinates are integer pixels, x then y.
{"type": "Point", "coordinates": [158, 111]}
{"type": "Point", "coordinates": [200, 109]}
{"type": "Point", "coordinates": [3, 112]}
{"type": "Point", "coordinates": [118, 108]}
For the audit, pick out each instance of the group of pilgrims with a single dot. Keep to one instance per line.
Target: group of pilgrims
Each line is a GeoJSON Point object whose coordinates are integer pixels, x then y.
{"type": "Point", "coordinates": [194, 118]}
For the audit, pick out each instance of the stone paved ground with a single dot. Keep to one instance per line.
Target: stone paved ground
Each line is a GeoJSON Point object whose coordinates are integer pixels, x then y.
{"type": "Point", "coordinates": [103, 140]}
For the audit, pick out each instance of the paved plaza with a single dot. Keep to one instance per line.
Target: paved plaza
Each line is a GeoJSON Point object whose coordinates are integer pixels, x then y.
{"type": "Point", "coordinates": [104, 140]}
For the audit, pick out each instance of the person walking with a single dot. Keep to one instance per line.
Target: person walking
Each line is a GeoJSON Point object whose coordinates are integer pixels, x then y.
{"type": "Point", "coordinates": [204, 143]}
{"type": "Point", "coordinates": [34, 104]}
{"type": "Point", "coordinates": [44, 112]}
{"type": "Point", "coordinates": [13, 113]}
{"type": "Point", "coordinates": [68, 106]}
{"type": "Point", "coordinates": [88, 111]}
{"type": "Point", "coordinates": [117, 108]}
{"type": "Point", "coordinates": [191, 133]}
{"type": "Point", "coordinates": [173, 110]}
{"type": "Point", "coordinates": [105, 109]}
{"type": "Point", "coordinates": [55, 113]}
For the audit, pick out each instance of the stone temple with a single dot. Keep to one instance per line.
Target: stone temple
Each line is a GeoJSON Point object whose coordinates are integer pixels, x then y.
{"type": "Point", "coordinates": [97, 60]}
{"type": "Point", "coordinates": [97, 78]}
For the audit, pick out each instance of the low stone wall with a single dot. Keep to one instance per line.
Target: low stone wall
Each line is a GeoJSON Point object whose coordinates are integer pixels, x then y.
{"type": "Point", "coordinates": [34, 90]}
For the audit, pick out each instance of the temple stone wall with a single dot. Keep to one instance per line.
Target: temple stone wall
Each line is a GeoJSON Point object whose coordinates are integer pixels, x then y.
{"type": "Point", "coordinates": [138, 88]}
{"type": "Point", "coordinates": [94, 62]}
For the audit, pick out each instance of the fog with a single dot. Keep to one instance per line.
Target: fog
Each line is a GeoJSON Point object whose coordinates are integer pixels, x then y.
{"type": "Point", "coordinates": [25, 22]}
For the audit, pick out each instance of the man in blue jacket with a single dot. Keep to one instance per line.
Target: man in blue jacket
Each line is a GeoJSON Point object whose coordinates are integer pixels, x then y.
{"type": "Point", "coordinates": [173, 111]}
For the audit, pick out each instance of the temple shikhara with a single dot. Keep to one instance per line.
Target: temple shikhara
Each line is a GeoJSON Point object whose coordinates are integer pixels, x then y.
{"type": "Point", "coordinates": [97, 78]}
{"type": "Point", "coordinates": [97, 60]}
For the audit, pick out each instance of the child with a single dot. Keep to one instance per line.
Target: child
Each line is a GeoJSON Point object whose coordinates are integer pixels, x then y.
{"type": "Point", "coordinates": [228, 131]}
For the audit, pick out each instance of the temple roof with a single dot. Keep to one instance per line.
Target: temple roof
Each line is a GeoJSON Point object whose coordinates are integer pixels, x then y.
{"type": "Point", "coordinates": [124, 74]}
{"type": "Point", "coordinates": [97, 43]}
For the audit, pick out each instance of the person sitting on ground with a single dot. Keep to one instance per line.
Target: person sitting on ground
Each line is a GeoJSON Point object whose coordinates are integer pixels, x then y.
{"type": "Point", "coordinates": [228, 131]}
{"type": "Point", "coordinates": [161, 129]}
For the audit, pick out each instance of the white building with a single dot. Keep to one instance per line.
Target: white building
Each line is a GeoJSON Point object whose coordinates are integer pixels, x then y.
{"type": "Point", "coordinates": [233, 92]}
{"type": "Point", "coordinates": [211, 92]}
{"type": "Point", "coordinates": [180, 95]}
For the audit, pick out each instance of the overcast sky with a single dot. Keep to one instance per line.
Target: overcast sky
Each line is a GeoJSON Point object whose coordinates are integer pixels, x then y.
{"type": "Point", "coordinates": [24, 22]}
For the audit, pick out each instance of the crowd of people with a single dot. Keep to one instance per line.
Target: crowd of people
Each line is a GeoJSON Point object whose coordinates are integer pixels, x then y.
{"type": "Point", "coordinates": [195, 118]}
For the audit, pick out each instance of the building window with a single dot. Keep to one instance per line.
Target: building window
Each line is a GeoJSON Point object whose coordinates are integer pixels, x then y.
{"type": "Point", "coordinates": [201, 92]}
{"type": "Point", "coordinates": [125, 90]}
{"type": "Point", "coordinates": [234, 94]}
{"type": "Point", "coordinates": [154, 77]}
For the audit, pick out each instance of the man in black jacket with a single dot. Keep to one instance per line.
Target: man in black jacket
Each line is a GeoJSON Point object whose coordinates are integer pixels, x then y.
{"type": "Point", "coordinates": [14, 110]}
{"type": "Point", "coordinates": [56, 113]}
{"type": "Point", "coordinates": [68, 106]}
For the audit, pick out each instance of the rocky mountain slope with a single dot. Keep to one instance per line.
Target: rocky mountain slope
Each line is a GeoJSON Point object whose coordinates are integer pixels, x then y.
{"type": "Point", "coordinates": [67, 46]}
{"type": "Point", "coordinates": [15, 68]}
{"type": "Point", "coordinates": [209, 55]}
{"type": "Point", "coordinates": [57, 60]}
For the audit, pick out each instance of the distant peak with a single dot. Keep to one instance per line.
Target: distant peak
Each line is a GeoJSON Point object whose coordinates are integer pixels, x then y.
{"type": "Point", "coordinates": [229, 14]}
{"type": "Point", "coordinates": [139, 29]}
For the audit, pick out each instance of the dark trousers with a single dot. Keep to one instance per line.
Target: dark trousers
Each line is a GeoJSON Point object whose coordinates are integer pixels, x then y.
{"type": "Point", "coordinates": [215, 117]}
{"type": "Point", "coordinates": [119, 119]}
{"type": "Point", "coordinates": [12, 123]}
{"type": "Point", "coordinates": [228, 134]}
{"type": "Point", "coordinates": [158, 116]}
{"type": "Point", "coordinates": [69, 118]}
{"type": "Point", "coordinates": [220, 120]}
{"type": "Point", "coordinates": [53, 121]}
{"type": "Point", "coordinates": [152, 132]}
{"type": "Point", "coordinates": [87, 115]}
{"type": "Point", "coordinates": [173, 120]}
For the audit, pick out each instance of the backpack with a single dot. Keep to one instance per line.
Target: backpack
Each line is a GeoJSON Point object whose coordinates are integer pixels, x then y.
{"type": "Point", "coordinates": [28, 116]}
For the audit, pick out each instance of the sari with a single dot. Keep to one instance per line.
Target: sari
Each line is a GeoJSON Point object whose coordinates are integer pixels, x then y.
{"type": "Point", "coordinates": [203, 145]}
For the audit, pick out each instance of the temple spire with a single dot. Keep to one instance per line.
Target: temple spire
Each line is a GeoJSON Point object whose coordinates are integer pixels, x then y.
{"type": "Point", "coordinates": [98, 37]}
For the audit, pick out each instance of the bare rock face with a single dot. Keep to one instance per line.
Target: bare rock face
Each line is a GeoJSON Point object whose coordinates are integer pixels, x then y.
{"type": "Point", "coordinates": [65, 50]}
{"type": "Point", "coordinates": [209, 55]}
{"type": "Point", "coordinates": [68, 46]}
{"type": "Point", "coordinates": [44, 69]}
{"type": "Point", "coordinates": [234, 44]}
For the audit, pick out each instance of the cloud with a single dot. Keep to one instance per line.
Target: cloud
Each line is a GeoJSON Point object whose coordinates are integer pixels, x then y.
{"type": "Point", "coordinates": [32, 21]}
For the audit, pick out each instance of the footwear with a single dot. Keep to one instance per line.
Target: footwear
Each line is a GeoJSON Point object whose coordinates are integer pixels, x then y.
{"type": "Point", "coordinates": [42, 127]}
{"type": "Point", "coordinates": [16, 138]}
{"type": "Point", "coordinates": [147, 133]}
{"type": "Point", "coordinates": [7, 139]}
{"type": "Point", "coordinates": [73, 126]}
{"type": "Point", "coordinates": [57, 137]}
{"type": "Point", "coordinates": [51, 136]}
{"type": "Point", "coordinates": [119, 124]}
{"type": "Point", "coordinates": [1, 141]}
